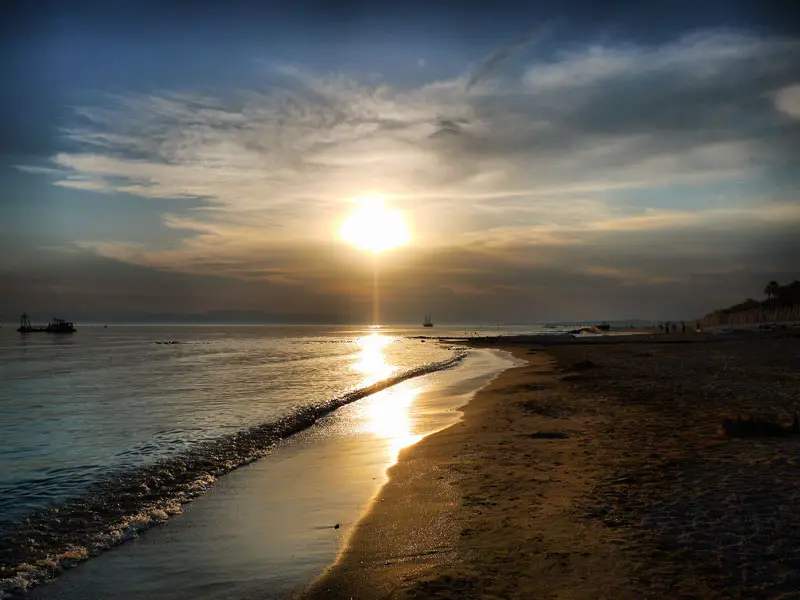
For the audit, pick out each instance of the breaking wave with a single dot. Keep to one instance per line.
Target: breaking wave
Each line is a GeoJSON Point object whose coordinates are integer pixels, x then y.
{"type": "Point", "coordinates": [41, 545]}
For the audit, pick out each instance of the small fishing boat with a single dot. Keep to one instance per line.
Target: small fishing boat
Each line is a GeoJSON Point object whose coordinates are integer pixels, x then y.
{"type": "Point", "coordinates": [427, 322]}
{"type": "Point", "coordinates": [54, 326]}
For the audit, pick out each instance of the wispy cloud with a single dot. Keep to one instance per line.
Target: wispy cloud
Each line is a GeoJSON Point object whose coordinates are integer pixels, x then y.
{"type": "Point", "coordinates": [787, 100]}
{"type": "Point", "coordinates": [534, 161]}
{"type": "Point", "coordinates": [498, 57]}
{"type": "Point", "coordinates": [705, 59]}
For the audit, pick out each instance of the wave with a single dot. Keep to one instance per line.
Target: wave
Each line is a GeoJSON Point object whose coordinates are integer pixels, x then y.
{"type": "Point", "coordinates": [41, 545]}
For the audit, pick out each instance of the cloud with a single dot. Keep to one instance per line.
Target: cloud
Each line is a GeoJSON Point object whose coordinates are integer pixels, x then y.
{"type": "Point", "coordinates": [448, 127]}
{"type": "Point", "coordinates": [787, 101]}
{"type": "Point", "coordinates": [498, 57]}
{"type": "Point", "coordinates": [34, 170]}
{"type": "Point", "coordinates": [703, 58]}
{"type": "Point", "coordinates": [585, 151]}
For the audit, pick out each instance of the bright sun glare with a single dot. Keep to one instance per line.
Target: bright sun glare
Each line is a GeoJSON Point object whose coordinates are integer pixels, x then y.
{"type": "Point", "coordinates": [374, 227]}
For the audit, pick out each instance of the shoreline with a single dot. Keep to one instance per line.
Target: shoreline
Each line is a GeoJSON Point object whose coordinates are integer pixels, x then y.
{"type": "Point", "coordinates": [411, 529]}
{"type": "Point", "coordinates": [594, 471]}
{"type": "Point", "coordinates": [267, 529]}
{"type": "Point", "coordinates": [114, 512]}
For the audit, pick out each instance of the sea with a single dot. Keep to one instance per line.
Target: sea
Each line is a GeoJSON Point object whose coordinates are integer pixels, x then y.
{"type": "Point", "coordinates": [111, 430]}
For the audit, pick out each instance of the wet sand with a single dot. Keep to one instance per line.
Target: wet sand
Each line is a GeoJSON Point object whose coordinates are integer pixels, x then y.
{"type": "Point", "coordinates": [606, 479]}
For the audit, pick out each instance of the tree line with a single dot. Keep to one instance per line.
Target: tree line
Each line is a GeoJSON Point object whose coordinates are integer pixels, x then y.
{"type": "Point", "coordinates": [782, 295]}
{"type": "Point", "coordinates": [778, 296]}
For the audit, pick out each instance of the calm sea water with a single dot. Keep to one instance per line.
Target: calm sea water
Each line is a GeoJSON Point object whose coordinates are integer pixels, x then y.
{"type": "Point", "coordinates": [112, 421]}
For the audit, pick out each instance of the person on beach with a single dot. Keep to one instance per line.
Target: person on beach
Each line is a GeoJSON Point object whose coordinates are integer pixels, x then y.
{"type": "Point", "coordinates": [683, 326]}
{"type": "Point", "coordinates": [674, 328]}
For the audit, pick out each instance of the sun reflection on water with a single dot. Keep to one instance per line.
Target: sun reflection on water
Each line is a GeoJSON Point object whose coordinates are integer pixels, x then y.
{"type": "Point", "coordinates": [371, 361]}
{"type": "Point", "coordinates": [387, 413]}
{"type": "Point", "coordinates": [388, 416]}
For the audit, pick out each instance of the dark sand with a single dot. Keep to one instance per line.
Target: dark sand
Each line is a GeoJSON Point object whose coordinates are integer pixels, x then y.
{"type": "Point", "coordinates": [602, 482]}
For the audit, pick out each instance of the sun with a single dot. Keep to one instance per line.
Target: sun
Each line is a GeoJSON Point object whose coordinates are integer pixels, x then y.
{"type": "Point", "coordinates": [374, 227]}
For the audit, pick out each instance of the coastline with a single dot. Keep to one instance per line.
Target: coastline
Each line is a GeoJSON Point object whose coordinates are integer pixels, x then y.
{"type": "Point", "coordinates": [267, 529]}
{"type": "Point", "coordinates": [448, 521]}
{"type": "Point", "coordinates": [409, 527]}
{"type": "Point", "coordinates": [595, 479]}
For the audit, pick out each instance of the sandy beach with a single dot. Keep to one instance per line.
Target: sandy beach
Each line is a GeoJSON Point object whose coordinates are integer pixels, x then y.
{"type": "Point", "coordinates": [597, 471]}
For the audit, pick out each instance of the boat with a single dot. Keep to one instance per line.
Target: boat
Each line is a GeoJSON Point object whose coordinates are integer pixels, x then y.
{"type": "Point", "coordinates": [427, 322]}
{"type": "Point", "coordinates": [54, 326]}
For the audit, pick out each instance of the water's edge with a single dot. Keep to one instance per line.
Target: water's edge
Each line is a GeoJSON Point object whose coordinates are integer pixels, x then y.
{"type": "Point", "coordinates": [313, 587]}
{"type": "Point", "coordinates": [38, 547]}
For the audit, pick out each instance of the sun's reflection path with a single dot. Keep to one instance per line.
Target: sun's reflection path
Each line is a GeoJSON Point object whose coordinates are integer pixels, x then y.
{"type": "Point", "coordinates": [370, 360]}
{"type": "Point", "coordinates": [388, 416]}
{"type": "Point", "coordinates": [387, 413]}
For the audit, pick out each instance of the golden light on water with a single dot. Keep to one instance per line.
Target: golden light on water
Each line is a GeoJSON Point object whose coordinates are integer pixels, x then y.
{"type": "Point", "coordinates": [388, 417]}
{"type": "Point", "coordinates": [370, 360]}
{"type": "Point", "coordinates": [374, 227]}
{"type": "Point", "coordinates": [386, 414]}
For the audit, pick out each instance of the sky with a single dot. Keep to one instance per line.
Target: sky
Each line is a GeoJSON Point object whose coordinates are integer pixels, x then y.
{"type": "Point", "coordinates": [591, 161]}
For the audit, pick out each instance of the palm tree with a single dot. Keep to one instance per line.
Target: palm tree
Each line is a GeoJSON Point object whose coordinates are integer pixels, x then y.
{"type": "Point", "coordinates": [791, 293]}
{"type": "Point", "coordinates": [772, 289]}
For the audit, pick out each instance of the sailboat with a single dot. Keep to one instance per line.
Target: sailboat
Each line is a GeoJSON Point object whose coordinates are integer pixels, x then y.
{"type": "Point", "coordinates": [427, 322]}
